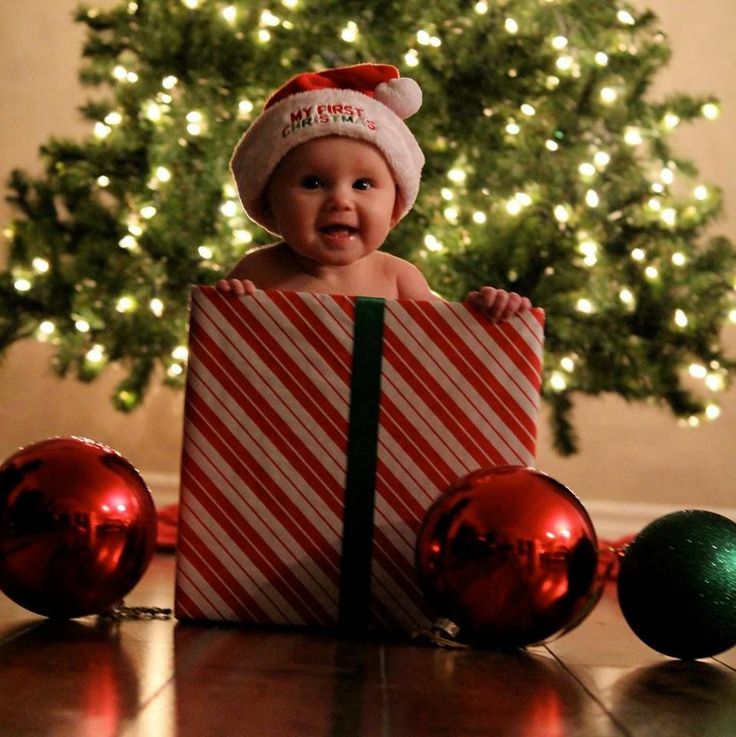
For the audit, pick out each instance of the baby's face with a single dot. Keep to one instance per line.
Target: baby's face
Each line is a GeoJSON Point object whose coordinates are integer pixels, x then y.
{"type": "Point", "coordinates": [333, 200]}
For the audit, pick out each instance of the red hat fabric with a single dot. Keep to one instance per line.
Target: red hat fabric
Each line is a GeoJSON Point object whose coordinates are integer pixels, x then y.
{"type": "Point", "coordinates": [366, 101]}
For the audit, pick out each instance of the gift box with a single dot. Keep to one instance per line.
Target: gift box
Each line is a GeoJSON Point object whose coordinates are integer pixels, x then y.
{"type": "Point", "coordinates": [318, 430]}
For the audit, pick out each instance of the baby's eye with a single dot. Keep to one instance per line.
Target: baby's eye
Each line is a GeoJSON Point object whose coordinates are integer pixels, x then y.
{"type": "Point", "coordinates": [311, 181]}
{"type": "Point", "coordinates": [362, 184]}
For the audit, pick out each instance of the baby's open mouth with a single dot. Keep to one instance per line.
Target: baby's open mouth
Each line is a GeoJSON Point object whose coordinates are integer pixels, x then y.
{"type": "Point", "coordinates": [342, 230]}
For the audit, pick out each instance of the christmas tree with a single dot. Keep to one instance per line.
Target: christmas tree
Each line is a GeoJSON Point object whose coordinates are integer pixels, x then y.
{"type": "Point", "coordinates": [550, 172]}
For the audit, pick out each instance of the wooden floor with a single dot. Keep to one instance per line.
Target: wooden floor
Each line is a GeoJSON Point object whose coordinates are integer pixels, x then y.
{"type": "Point", "coordinates": [92, 678]}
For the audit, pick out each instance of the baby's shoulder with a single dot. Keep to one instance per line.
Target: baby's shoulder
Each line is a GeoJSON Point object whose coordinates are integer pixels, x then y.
{"type": "Point", "coordinates": [261, 259]}
{"type": "Point", "coordinates": [409, 280]}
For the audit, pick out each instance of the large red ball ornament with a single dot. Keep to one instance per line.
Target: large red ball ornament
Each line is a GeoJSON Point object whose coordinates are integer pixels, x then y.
{"type": "Point", "coordinates": [77, 527]}
{"type": "Point", "coordinates": [510, 556]}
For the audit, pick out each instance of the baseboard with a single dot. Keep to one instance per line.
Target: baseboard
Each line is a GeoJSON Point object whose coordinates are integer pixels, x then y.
{"type": "Point", "coordinates": [612, 519]}
{"type": "Point", "coordinates": [615, 519]}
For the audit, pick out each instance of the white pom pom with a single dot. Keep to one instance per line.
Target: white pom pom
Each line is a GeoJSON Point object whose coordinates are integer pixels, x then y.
{"type": "Point", "coordinates": [402, 95]}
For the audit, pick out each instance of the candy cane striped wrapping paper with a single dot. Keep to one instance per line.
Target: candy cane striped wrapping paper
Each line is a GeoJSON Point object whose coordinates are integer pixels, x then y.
{"type": "Point", "coordinates": [266, 434]}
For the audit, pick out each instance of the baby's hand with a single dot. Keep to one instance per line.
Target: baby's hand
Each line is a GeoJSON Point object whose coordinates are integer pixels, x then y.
{"type": "Point", "coordinates": [497, 304]}
{"type": "Point", "coordinates": [238, 287]}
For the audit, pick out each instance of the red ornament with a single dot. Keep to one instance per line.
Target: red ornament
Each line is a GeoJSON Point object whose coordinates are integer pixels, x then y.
{"type": "Point", "coordinates": [510, 556]}
{"type": "Point", "coordinates": [77, 527]}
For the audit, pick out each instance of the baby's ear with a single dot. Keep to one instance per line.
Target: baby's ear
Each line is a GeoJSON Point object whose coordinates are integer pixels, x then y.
{"type": "Point", "coordinates": [398, 209]}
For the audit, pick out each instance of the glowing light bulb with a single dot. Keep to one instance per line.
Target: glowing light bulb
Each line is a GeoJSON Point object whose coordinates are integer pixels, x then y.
{"type": "Point", "coordinates": [191, 4]}
{"type": "Point", "coordinates": [113, 118]}
{"type": "Point", "coordinates": [564, 63]}
{"type": "Point", "coordinates": [263, 36]}
{"type": "Point", "coordinates": [625, 17]}
{"type": "Point", "coordinates": [559, 43]}
{"type": "Point", "coordinates": [424, 37]}
{"type": "Point", "coordinates": [632, 136]}
{"type": "Point", "coordinates": [528, 109]}
{"type": "Point", "coordinates": [654, 203]}
{"type": "Point", "coordinates": [557, 381]}
{"type": "Point", "coordinates": [229, 208]}
{"type": "Point", "coordinates": [697, 370]}
{"type": "Point", "coordinates": [230, 13]}
{"type": "Point", "coordinates": [82, 326]}
{"type": "Point", "coordinates": [349, 34]}
{"type": "Point", "coordinates": [180, 353]}
{"type": "Point", "coordinates": [638, 254]}
{"type": "Point", "coordinates": [432, 243]}
{"type": "Point", "coordinates": [101, 130]}
{"type": "Point", "coordinates": [245, 108]}
{"type": "Point", "coordinates": [588, 247]}
{"type": "Point", "coordinates": [587, 169]}
{"type": "Point", "coordinates": [446, 194]}
{"type": "Point", "coordinates": [128, 242]}
{"type": "Point", "coordinates": [156, 306]}
{"type": "Point", "coordinates": [47, 328]}
{"type": "Point", "coordinates": [119, 72]}
{"type": "Point", "coordinates": [732, 316]}
{"type": "Point", "coordinates": [40, 265]}
{"type": "Point", "coordinates": [667, 175]}
{"type": "Point", "coordinates": [678, 258]}
{"type": "Point", "coordinates": [168, 83]}
{"type": "Point", "coordinates": [103, 181]}
{"type": "Point", "coordinates": [601, 59]}
{"type": "Point", "coordinates": [512, 128]}
{"type": "Point", "coordinates": [511, 26]}
{"type": "Point", "coordinates": [513, 207]}
{"type": "Point", "coordinates": [700, 192]}
{"type": "Point", "coordinates": [680, 318]}
{"type": "Point", "coordinates": [126, 304]}
{"type": "Point", "coordinates": [163, 174]}
{"type": "Point", "coordinates": [567, 363]}
{"type": "Point", "coordinates": [651, 272]}
{"type": "Point", "coordinates": [523, 199]}
{"type": "Point", "coordinates": [479, 217]}
{"type": "Point", "coordinates": [601, 159]}
{"type": "Point", "coordinates": [584, 305]}
{"type": "Point", "coordinates": [669, 216]}
{"type": "Point", "coordinates": [242, 236]}
{"type": "Point", "coordinates": [291, 4]}
{"type": "Point", "coordinates": [148, 212]}
{"type": "Point", "coordinates": [710, 110]}
{"type": "Point", "coordinates": [451, 214]}
{"type": "Point", "coordinates": [608, 95]}
{"type": "Point", "coordinates": [269, 19]}
{"type": "Point", "coordinates": [153, 111]}
{"type": "Point", "coordinates": [411, 58]}
{"type": "Point", "coordinates": [561, 213]}
{"type": "Point", "coordinates": [22, 285]}
{"type": "Point", "coordinates": [481, 8]}
{"type": "Point", "coordinates": [671, 121]}
{"type": "Point", "coordinates": [551, 145]}
{"type": "Point", "coordinates": [712, 411]}
{"type": "Point", "coordinates": [175, 370]}
{"type": "Point", "coordinates": [626, 296]}
{"type": "Point", "coordinates": [131, 77]}
{"type": "Point", "coordinates": [205, 252]}
{"type": "Point", "coordinates": [592, 199]}
{"type": "Point", "coordinates": [715, 382]}
{"type": "Point", "coordinates": [456, 175]}
{"type": "Point", "coordinates": [96, 354]}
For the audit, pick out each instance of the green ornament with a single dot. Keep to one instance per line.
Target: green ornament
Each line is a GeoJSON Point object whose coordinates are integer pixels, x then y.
{"type": "Point", "coordinates": [677, 584]}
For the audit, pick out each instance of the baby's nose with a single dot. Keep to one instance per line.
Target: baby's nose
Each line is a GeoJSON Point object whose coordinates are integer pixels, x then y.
{"type": "Point", "coordinates": [340, 197]}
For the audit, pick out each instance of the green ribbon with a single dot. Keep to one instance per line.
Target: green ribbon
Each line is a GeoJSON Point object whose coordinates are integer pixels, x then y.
{"type": "Point", "coordinates": [360, 481]}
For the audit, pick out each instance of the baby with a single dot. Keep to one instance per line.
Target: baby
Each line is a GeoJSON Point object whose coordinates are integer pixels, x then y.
{"type": "Point", "coordinates": [331, 168]}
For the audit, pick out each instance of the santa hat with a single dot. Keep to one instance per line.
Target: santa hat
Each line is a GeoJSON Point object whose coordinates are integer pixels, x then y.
{"type": "Point", "coordinates": [367, 102]}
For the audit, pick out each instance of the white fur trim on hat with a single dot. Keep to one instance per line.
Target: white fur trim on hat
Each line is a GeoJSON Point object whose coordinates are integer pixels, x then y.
{"type": "Point", "coordinates": [313, 114]}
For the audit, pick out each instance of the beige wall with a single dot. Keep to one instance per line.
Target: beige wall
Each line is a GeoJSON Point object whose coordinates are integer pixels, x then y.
{"type": "Point", "coordinates": [629, 453]}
